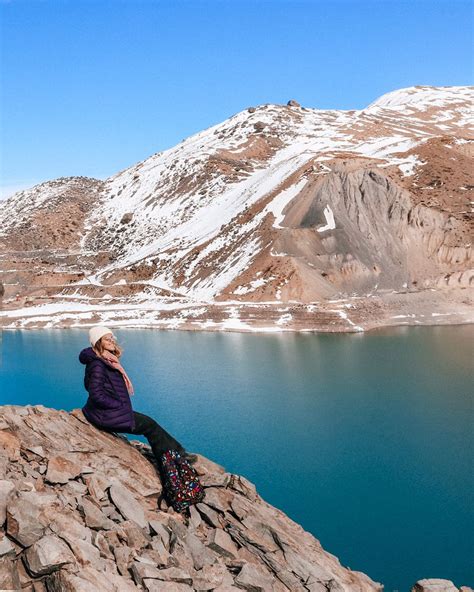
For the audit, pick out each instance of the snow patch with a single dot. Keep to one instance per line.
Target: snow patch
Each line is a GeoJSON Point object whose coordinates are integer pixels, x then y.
{"type": "Point", "coordinates": [330, 223]}
{"type": "Point", "coordinates": [409, 165]}
{"type": "Point", "coordinates": [278, 204]}
{"type": "Point", "coordinates": [251, 287]}
{"type": "Point", "coordinates": [284, 319]}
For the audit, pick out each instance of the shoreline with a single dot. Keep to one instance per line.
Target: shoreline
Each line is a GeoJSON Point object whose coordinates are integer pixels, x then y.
{"type": "Point", "coordinates": [253, 330]}
{"type": "Point", "coordinates": [355, 314]}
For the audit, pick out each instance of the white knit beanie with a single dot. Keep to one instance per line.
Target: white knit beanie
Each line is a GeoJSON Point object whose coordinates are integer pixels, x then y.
{"type": "Point", "coordinates": [95, 333]}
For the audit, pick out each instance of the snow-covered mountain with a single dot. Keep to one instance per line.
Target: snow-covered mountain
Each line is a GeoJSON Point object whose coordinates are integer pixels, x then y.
{"type": "Point", "coordinates": [279, 217]}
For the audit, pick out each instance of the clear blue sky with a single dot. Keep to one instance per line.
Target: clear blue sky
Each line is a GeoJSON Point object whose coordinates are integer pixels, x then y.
{"type": "Point", "coordinates": [91, 87]}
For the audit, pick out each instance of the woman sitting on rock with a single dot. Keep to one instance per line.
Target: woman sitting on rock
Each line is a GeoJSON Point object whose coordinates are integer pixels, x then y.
{"type": "Point", "coordinates": [108, 406]}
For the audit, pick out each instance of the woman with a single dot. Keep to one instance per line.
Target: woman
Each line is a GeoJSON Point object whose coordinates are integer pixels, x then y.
{"type": "Point", "coordinates": [109, 407]}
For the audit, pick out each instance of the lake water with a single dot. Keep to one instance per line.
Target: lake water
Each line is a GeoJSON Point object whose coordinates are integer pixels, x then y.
{"type": "Point", "coordinates": [366, 440]}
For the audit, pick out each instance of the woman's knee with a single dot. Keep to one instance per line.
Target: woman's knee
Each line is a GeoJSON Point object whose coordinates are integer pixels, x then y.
{"type": "Point", "coordinates": [144, 422]}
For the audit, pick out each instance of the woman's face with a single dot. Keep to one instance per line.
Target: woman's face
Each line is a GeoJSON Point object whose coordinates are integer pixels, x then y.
{"type": "Point", "coordinates": [108, 342]}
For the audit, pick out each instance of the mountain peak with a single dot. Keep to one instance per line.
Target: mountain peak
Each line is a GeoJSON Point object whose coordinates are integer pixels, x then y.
{"type": "Point", "coordinates": [279, 208]}
{"type": "Point", "coordinates": [423, 96]}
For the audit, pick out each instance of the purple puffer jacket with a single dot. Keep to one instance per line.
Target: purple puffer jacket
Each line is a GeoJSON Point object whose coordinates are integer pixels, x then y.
{"type": "Point", "coordinates": [109, 404]}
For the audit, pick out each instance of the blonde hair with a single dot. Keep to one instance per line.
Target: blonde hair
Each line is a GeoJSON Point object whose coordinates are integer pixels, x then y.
{"type": "Point", "coordinates": [99, 348]}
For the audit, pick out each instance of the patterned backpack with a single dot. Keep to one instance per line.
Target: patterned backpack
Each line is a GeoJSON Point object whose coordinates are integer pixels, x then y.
{"type": "Point", "coordinates": [181, 485]}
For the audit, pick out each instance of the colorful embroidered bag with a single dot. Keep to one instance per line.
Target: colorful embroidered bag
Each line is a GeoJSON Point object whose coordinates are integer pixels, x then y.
{"type": "Point", "coordinates": [181, 485]}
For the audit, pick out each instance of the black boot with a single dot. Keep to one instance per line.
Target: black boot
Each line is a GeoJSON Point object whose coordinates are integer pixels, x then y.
{"type": "Point", "coordinates": [190, 457]}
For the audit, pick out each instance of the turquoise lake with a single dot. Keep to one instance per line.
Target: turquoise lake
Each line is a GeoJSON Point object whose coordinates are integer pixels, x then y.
{"type": "Point", "coordinates": [366, 440]}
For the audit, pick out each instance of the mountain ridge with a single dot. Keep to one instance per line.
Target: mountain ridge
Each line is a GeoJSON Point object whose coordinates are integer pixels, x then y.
{"type": "Point", "coordinates": [278, 204]}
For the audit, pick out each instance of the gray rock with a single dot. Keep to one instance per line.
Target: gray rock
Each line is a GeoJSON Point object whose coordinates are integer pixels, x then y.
{"type": "Point", "coordinates": [293, 103]}
{"type": "Point", "coordinates": [9, 576]}
{"type": "Point", "coordinates": [434, 585]}
{"type": "Point", "coordinates": [217, 498]}
{"type": "Point", "coordinates": [4, 466]}
{"type": "Point", "coordinates": [243, 486]}
{"type": "Point", "coordinates": [260, 533]}
{"type": "Point", "coordinates": [6, 490]}
{"type": "Point", "coordinates": [254, 579]}
{"type": "Point", "coordinates": [162, 557]}
{"type": "Point", "coordinates": [220, 542]}
{"type": "Point", "coordinates": [47, 555]}
{"type": "Point", "coordinates": [108, 510]}
{"type": "Point", "coordinates": [177, 527]}
{"type": "Point", "coordinates": [97, 486]}
{"type": "Point", "coordinates": [29, 472]}
{"type": "Point", "coordinates": [99, 541]}
{"type": "Point", "coordinates": [205, 466]}
{"type": "Point", "coordinates": [155, 558]}
{"type": "Point", "coordinates": [159, 529]}
{"type": "Point", "coordinates": [158, 586]}
{"type": "Point", "coordinates": [9, 446]}
{"type": "Point", "coordinates": [23, 521]}
{"type": "Point", "coordinates": [7, 548]}
{"type": "Point", "coordinates": [200, 554]}
{"type": "Point", "coordinates": [93, 515]}
{"type": "Point", "coordinates": [61, 469]}
{"type": "Point", "coordinates": [286, 576]}
{"type": "Point", "coordinates": [136, 538]}
{"type": "Point", "coordinates": [123, 559]}
{"type": "Point", "coordinates": [25, 578]}
{"type": "Point", "coordinates": [175, 574]}
{"type": "Point", "coordinates": [113, 539]}
{"type": "Point", "coordinates": [181, 558]}
{"type": "Point", "coordinates": [211, 577]}
{"type": "Point", "coordinates": [216, 479]}
{"type": "Point", "coordinates": [67, 526]}
{"type": "Point", "coordinates": [85, 553]}
{"type": "Point", "coordinates": [63, 581]}
{"type": "Point", "coordinates": [37, 450]}
{"type": "Point", "coordinates": [88, 580]}
{"type": "Point", "coordinates": [316, 587]}
{"type": "Point", "coordinates": [127, 505]}
{"type": "Point", "coordinates": [306, 570]}
{"type": "Point", "coordinates": [74, 488]}
{"type": "Point", "coordinates": [241, 507]}
{"type": "Point", "coordinates": [141, 571]}
{"type": "Point", "coordinates": [194, 517]}
{"type": "Point", "coordinates": [209, 515]}
{"type": "Point", "coordinates": [115, 516]}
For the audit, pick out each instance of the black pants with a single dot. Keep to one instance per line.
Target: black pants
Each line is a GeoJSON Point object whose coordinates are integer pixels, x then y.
{"type": "Point", "coordinates": [159, 439]}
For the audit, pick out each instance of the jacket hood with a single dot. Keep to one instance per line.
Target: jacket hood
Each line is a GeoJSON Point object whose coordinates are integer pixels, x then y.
{"type": "Point", "coordinates": [87, 355]}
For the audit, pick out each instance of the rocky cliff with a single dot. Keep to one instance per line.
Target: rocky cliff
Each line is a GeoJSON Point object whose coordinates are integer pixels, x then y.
{"type": "Point", "coordinates": [81, 511]}
{"type": "Point", "coordinates": [281, 217]}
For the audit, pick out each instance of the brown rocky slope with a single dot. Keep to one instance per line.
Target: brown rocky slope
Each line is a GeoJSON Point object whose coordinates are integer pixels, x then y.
{"type": "Point", "coordinates": [81, 511]}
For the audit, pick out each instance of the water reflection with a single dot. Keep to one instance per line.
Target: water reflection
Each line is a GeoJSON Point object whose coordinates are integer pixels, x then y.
{"type": "Point", "coordinates": [366, 439]}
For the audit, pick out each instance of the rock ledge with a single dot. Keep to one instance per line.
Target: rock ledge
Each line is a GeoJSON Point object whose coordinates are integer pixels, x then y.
{"type": "Point", "coordinates": [81, 511]}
